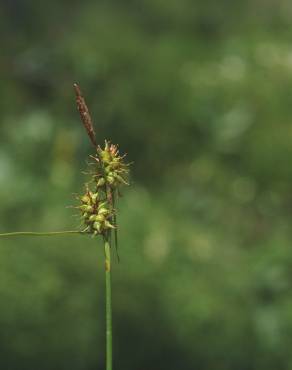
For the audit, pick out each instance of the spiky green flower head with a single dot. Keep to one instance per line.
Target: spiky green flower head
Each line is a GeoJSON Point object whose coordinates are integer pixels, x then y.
{"type": "Point", "coordinates": [97, 214]}
{"type": "Point", "coordinates": [98, 206]}
{"type": "Point", "coordinates": [113, 170]}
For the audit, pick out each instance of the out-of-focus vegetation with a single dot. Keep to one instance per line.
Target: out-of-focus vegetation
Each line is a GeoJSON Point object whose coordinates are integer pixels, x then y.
{"type": "Point", "coordinates": [199, 95]}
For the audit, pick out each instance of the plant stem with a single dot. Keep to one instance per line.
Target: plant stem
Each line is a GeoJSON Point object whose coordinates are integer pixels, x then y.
{"type": "Point", "coordinates": [108, 305]}
{"type": "Point", "coordinates": [32, 233]}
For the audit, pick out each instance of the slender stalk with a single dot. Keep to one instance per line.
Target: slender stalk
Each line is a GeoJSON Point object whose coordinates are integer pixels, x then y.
{"type": "Point", "coordinates": [108, 305]}
{"type": "Point", "coordinates": [32, 233]}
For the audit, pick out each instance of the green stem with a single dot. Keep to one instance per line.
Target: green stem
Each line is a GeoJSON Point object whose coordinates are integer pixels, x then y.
{"type": "Point", "coordinates": [32, 233]}
{"type": "Point", "coordinates": [108, 305]}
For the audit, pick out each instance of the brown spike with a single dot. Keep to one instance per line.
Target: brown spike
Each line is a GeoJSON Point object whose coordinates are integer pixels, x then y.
{"type": "Point", "coordinates": [84, 114]}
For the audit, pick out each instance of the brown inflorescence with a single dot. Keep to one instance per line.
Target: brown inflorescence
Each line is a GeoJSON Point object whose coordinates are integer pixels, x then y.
{"type": "Point", "coordinates": [84, 114]}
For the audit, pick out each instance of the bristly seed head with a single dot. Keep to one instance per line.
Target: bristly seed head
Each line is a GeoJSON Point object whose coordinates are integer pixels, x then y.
{"type": "Point", "coordinates": [113, 170]}
{"type": "Point", "coordinates": [96, 214]}
{"type": "Point", "coordinates": [97, 206]}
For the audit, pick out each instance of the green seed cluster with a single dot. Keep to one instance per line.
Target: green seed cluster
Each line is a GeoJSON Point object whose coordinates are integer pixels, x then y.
{"type": "Point", "coordinates": [97, 206]}
{"type": "Point", "coordinates": [112, 168]}
{"type": "Point", "coordinates": [96, 214]}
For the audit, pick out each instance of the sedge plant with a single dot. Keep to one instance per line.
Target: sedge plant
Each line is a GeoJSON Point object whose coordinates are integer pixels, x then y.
{"type": "Point", "coordinates": [97, 206]}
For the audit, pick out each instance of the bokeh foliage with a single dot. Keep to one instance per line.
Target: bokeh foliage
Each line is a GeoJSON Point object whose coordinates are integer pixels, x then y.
{"type": "Point", "coordinates": [199, 95]}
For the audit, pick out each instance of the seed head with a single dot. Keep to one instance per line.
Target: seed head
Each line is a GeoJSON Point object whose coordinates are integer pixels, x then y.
{"type": "Point", "coordinates": [110, 172]}
{"type": "Point", "coordinates": [96, 215]}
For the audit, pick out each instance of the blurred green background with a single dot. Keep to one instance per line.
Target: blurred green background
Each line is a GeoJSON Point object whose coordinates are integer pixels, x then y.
{"type": "Point", "coordinates": [199, 94]}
